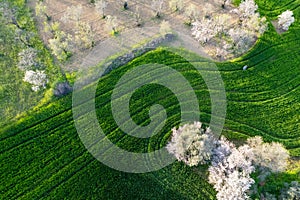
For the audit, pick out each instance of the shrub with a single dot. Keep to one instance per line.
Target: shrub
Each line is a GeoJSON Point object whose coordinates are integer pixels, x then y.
{"type": "Point", "coordinates": [62, 89]}
{"type": "Point", "coordinates": [292, 192]}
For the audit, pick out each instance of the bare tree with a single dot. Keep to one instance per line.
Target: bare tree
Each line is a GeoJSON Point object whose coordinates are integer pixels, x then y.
{"type": "Point", "coordinates": [224, 3]}
{"type": "Point", "coordinates": [72, 13]}
{"type": "Point", "coordinates": [137, 16]}
{"type": "Point", "coordinates": [100, 6]}
{"type": "Point", "coordinates": [112, 24]}
{"type": "Point", "coordinates": [176, 5]}
{"type": "Point", "coordinates": [157, 7]}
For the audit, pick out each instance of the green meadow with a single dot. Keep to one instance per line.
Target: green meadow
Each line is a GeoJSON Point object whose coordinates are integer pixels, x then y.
{"type": "Point", "coordinates": [42, 157]}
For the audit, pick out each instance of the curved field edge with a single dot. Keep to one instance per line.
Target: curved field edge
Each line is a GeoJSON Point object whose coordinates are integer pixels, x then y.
{"type": "Point", "coordinates": [53, 159]}
{"type": "Point", "coordinates": [42, 156]}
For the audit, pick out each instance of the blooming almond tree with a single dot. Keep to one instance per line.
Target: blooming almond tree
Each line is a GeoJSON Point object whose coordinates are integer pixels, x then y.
{"type": "Point", "coordinates": [28, 59]}
{"type": "Point", "coordinates": [286, 19]}
{"type": "Point", "coordinates": [192, 144]}
{"type": "Point", "coordinates": [204, 30]}
{"type": "Point", "coordinates": [247, 8]}
{"type": "Point", "coordinates": [230, 166]}
{"type": "Point", "coordinates": [242, 39]}
{"type": "Point", "coordinates": [230, 171]}
{"type": "Point", "coordinates": [272, 156]}
{"type": "Point", "coordinates": [258, 25]}
{"type": "Point", "coordinates": [38, 79]}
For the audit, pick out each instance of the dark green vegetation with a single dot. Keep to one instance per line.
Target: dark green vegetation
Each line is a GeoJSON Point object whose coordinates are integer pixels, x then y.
{"type": "Point", "coordinates": [42, 157]}
{"type": "Point", "coordinates": [18, 32]}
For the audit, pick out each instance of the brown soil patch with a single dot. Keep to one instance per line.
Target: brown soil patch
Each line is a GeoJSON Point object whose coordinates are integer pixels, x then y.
{"type": "Point", "coordinates": [126, 19]}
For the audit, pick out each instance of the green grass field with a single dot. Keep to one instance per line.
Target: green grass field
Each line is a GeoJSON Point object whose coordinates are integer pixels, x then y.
{"type": "Point", "coordinates": [42, 156]}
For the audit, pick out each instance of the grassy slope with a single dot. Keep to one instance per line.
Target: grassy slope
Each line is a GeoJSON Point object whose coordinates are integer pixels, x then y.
{"type": "Point", "coordinates": [42, 156]}
{"type": "Point", "coordinates": [16, 96]}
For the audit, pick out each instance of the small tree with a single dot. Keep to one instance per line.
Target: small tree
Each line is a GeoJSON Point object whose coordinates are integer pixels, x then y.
{"type": "Point", "coordinates": [41, 11]}
{"type": "Point", "coordinates": [112, 24]}
{"type": "Point", "coordinates": [72, 13]}
{"type": "Point", "coordinates": [225, 2]}
{"type": "Point", "coordinates": [62, 89]}
{"type": "Point", "coordinates": [191, 13]}
{"type": "Point", "coordinates": [100, 6]}
{"type": "Point", "coordinates": [176, 5]}
{"type": "Point", "coordinates": [165, 28]}
{"type": "Point", "coordinates": [192, 144]}
{"type": "Point", "coordinates": [285, 20]}
{"type": "Point", "coordinates": [60, 44]}
{"type": "Point", "coordinates": [157, 7]}
{"type": "Point", "coordinates": [84, 35]}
